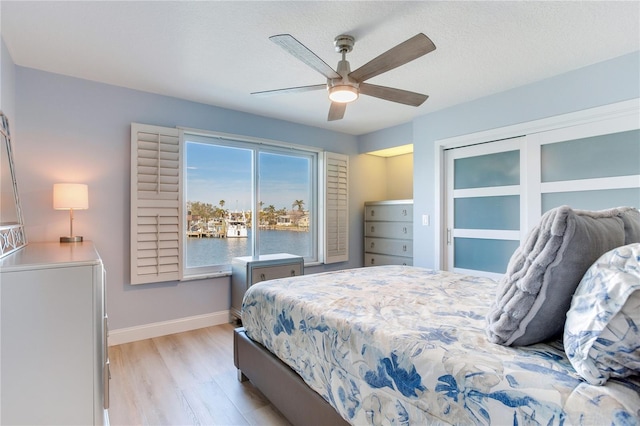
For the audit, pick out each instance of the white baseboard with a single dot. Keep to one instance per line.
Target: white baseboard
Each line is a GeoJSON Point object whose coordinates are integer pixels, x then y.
{"type": "Point", "coordinates": [156, 329]}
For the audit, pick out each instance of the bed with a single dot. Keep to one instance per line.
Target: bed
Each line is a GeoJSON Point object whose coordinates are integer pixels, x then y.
{"type": "Point", "coordinates": [408, 345]}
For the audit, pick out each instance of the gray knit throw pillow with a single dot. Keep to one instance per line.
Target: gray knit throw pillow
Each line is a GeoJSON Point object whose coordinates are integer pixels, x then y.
{"type": "Point", "coordinates": [535, 294]}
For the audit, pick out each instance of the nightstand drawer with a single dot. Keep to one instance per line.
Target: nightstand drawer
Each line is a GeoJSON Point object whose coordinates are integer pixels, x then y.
{"type": "Point", "coordinates": [264, 273]}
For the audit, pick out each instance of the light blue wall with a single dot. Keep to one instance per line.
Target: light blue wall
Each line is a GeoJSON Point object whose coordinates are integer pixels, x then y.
{"type": "Point", "coordinates": [76, 130]}
{"type": "Point", "coordinates": [401, 134]}
{"type": "Point", "coordinates": [600, 84]}
{"type": "Point", "coordinates": [7, 82]}
{"type": "Point", "coordinates": [71, 129]}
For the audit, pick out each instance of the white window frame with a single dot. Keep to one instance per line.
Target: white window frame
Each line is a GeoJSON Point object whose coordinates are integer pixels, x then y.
{"type": "Point", "coordinates": [257, 148]}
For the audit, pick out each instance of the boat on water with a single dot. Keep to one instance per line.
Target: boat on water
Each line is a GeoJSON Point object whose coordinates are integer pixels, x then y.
{"type": "Point", "coordinates": [233, 225]}
{"type": "Point", "coordinates": [236, 225]}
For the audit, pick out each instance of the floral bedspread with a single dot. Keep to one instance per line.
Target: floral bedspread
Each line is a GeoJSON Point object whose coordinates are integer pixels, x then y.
{"type": "Point", "coordinates": [406, 345]}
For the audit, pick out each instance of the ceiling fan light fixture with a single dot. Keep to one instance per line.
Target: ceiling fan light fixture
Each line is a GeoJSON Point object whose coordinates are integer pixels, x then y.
{"type": "Point", "coordinates": [343, 93]}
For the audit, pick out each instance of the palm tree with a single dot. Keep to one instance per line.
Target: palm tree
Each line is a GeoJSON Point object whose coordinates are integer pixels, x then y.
{"type": "Point", "coordinates": [271, 214]}
{"type": "Point", "coordinates": [298, 203]}
{"type": "Point", "coordinates": [221, 202]}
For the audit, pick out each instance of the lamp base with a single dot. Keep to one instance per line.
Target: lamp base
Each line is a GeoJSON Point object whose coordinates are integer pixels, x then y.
{"type": "Point", "coordinates": [76, 239]}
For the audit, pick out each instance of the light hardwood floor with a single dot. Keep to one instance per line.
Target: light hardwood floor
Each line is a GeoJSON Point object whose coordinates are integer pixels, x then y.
{"type": "Point", "coordinates": [184, 379]}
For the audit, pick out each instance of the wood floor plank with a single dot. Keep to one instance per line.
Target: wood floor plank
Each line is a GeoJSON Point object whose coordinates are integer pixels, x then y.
{"type": "Point", "coordinates": [184, 379]}
{"type": "Point", "coordinates": [266, 416]}
{"type": "Point", "coordinates": [244, 396]}
{"type": "Point", "coordinates": [212, 406]}
{"type": "Point", "coordinates": [122, 394]}
{"type": "Point", "coordinates": [156, 392]}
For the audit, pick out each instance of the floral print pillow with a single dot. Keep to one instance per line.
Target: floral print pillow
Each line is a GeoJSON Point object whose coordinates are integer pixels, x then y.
{"type": "Point", "coordinates": [602, 330]}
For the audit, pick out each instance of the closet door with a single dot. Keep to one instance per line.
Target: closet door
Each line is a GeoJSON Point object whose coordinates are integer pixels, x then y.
{"type": "Point", "coordinates": [484, 206]}
{"type": "Point", "coordinates": [590, 167]}
{"type": "Point", "coordinates": [495, 192]}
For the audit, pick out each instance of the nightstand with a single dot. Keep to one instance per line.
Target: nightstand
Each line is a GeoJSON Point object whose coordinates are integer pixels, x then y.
{"type": "Point", "coordinates": [249, 270]}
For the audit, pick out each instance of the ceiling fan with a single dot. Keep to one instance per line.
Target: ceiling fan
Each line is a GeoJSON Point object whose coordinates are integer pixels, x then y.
{"type": "Point", "coordinates": [344, 85]}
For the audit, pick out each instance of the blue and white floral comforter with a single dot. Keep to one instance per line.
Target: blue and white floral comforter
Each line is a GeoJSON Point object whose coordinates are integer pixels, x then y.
{"type": "Point", "coordinates": [406, 345]}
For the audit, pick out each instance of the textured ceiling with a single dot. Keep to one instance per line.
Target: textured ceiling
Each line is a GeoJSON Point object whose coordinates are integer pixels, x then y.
{"type": "Point", "coordinates": [218, 52]}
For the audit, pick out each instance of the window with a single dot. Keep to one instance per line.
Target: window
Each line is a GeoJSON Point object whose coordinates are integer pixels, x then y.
{"type": "Point", "coordinates": [244, 199]}
{"type": "Point", "coordinates": [199, 200]}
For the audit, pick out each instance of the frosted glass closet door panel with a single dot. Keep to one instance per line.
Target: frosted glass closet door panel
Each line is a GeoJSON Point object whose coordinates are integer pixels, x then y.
{"type": "Point", "coordinates": [488, 170]}
{"type": "Point", "coordinates": [490, 212]}
{"type": "Point", "coordinates": [590, 172]}
{"type": "Point", "coordinates": [483, 206]}
{"type": "Point", "coordinates": [601, 156]}
{"type": "Point", "coordinates": [479, 254]}
{"type": "Point", "coordinates": [593, 200]}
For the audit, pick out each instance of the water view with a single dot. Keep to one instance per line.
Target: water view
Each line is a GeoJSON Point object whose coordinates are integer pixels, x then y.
{"type": "Point", "coordinates": [218, 251]}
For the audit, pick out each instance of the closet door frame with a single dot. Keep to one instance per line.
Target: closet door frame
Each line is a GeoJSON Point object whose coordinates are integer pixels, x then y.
{"type": "Point", "coordinates": [610, 118]}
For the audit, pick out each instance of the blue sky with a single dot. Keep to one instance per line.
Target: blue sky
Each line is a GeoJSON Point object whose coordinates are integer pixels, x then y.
{"type": "Point", "coordinates": [217, 173]}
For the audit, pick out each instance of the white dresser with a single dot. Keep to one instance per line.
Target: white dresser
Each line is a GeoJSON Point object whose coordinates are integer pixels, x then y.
{"type": "Point", "coordinates": [247, 271]}
{"type": "Point", "coordinates": [388, 232]}
{"type": "Point", "coordinates": [54, 364]}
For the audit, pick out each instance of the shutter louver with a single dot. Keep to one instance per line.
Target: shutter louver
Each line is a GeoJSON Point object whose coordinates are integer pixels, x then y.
{"type": "Point", "coordinates": [336, 208]}
{"type": "Point", "coordinates": [155, 204]}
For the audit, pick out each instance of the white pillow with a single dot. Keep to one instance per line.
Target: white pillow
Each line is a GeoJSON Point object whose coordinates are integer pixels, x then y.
{"type": "Point", "coordinates": [602, 331]}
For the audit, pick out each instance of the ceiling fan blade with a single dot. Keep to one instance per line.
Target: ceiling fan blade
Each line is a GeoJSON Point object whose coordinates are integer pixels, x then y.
{"type": "Point", "coordinates": [393, 95]}
{"type": "Point", "coordinates": [406, 51]}
{"type": "Point", "coordinates": [298, 89]}
{"type": "Point", "coordinates": [300, 51]}
{"type": "Point", "coordinates": [336, 111]}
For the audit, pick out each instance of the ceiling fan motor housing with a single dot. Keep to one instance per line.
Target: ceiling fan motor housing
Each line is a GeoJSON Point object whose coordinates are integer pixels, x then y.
{"type": "Point", "coordinates": [344, 43]}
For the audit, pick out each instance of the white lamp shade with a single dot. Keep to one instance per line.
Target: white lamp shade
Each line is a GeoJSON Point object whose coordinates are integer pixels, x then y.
{"type": "Point", "coordinates": [68, 196]}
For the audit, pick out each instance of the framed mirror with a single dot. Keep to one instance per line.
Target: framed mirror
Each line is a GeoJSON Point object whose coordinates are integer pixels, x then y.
{"type": "Point", "coordinates": [12, 236]}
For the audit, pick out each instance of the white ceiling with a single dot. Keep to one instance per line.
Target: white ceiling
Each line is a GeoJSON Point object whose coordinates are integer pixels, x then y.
{"type": "Point", "coordinates": [217, 52]}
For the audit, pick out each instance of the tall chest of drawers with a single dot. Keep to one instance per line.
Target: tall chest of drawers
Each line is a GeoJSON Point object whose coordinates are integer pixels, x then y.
{"type": "Point", "coordinates": [388, 232]}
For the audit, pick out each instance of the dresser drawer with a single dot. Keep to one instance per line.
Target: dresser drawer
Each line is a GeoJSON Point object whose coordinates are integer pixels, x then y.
{"type": "Point", "coordinates": [388, 246]}
{"type": "Point", "coordinates": [398, 230]}
{"type": "Point", "coordinates": [389, 212]}
{"type": "Point", "coordinates": [372, 259]}
{"type": "Point", "coordinates": [264, 273]}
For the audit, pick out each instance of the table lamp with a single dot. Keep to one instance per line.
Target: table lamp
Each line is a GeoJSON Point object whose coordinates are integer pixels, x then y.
{"type": "Point", "coordinates": [70, 196]}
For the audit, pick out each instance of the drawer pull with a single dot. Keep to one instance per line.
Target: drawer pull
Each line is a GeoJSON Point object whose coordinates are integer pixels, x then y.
{"type": "Point", "coordinates": [404, 247]}
{"type": "Point", "coordinates": [373, 228]}
{"type": "Point", "coordinates": [404, 229]}
{"type": "Point", "coordinates": [373, 212]}
{"type": "Point", "coordinates": [404, 212]}
{"type": "Point", "coordinates": [373, 244]}
{"type": "Point", "coordinates": [373, 261]}
{"type": "Point", "coordinates": [293, 272]}
{"type": "Point", "coordinates": [263, 277]}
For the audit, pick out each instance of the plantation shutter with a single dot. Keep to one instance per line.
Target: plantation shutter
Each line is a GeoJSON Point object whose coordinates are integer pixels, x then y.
{"type": "Point", "coordinates": [336, 208]}
{"type": "Point", "coordinates": [156, 205]}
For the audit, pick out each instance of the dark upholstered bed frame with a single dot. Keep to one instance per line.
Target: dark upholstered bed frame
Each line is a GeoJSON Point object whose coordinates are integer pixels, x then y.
{"type": "Point", "coordinates": [280, 384]}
